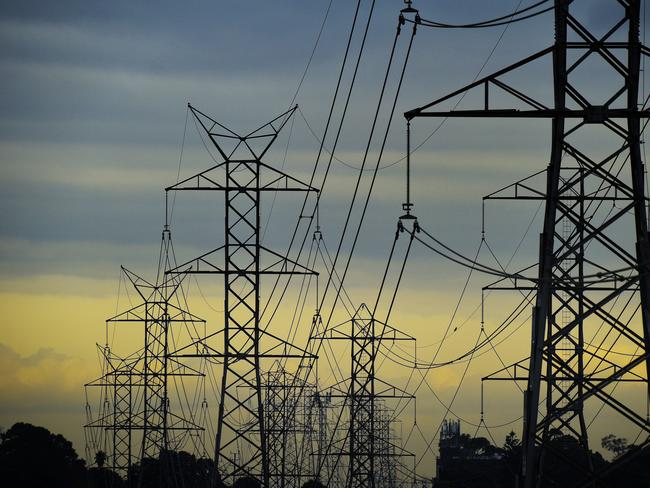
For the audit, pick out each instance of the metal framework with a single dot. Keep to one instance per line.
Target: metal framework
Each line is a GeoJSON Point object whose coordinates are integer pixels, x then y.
{"type": "Point", "coordinates": [387, 442]}
{"type": "Point", "coordinates": [145, 374]}
{"type": "Point", "coordinates": [317, 431]}
{"type": "Point", "coordinates": [241, 439]}
{"type": "Point", "coordinates": [118, 412]}
{"type": "Point", "coordinates": [280, 427]}
{"type": "Point", "coordinates": [122, 416]}
{"type": "Point", "coordinates": [289, 410]}
{"type": "Point", "coordinates": [366, 439]}
{"type": "Point", "coordinates": [157, 313]}
{"type": "Point", "coordinates": [593, 281]}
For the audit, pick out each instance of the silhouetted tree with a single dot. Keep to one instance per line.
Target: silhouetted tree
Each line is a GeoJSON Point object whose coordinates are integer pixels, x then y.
{"type": "Point", "coordinates": [246, 482]}
{"type": "Point", "coordinates": [566, 462]}
{"type": "Point", "coordinates": [173, 469]}
{"type": "Point", "coordinates": [616, 445]}
{"type": "Point", "coordinates": [512, 458]}
{"type": "Point", "coordinates": [314, 483]}
{"type": "Point", "coordinates": [512, 443]}
{"type": "Point", "coordinates": [100, 459]}
{"type": "Point", "coordinates": [33, 457]}
{"type": "Point", "coordinates": [103, 478]}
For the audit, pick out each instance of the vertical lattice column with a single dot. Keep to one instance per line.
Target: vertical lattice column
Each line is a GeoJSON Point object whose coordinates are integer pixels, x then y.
{"type": "Point", "coordinates": [279, 426]}
{"type": "Point", "coordinates": [122, 422]}
{"type": "Point", "coordinates": [362, 434]}
{"type": "Point", "coordinates": [155, 437]}
{"type": "Point", "coordinates": [365, 439]}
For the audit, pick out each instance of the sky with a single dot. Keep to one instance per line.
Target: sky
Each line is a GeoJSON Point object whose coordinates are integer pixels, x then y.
{"type": "Point", "coordinates": [93, 119]}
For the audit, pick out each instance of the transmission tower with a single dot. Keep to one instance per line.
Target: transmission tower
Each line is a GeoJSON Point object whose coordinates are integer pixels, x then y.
{"type": "Point", "coordinates": [366, 440]}
{"type": "Point", "coordinates": [145, 374]}
{"type": "Point", "coordinates": [386, 447]}
{"type": "Point", "coordinates": [158, 311]}
{"type": "Point", "coordinates": [288, 406]}
{"type": "Point", "coordinates": [118, 416]}
{"type": "Point", "coordinates": [317, 430]}
{"type": "Point", "coordinates": [241, 439]}
{"type": "Point", "coordinates": [593, 278]}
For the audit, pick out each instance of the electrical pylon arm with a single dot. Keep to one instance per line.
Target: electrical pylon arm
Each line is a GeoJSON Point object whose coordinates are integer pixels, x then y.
{"type": "Point", "coordinates": [271, 263]}
{"type": "Point", "coordinates": [525, 106]}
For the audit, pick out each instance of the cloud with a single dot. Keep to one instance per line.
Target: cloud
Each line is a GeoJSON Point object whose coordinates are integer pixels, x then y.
{"type": "Point", "coordinates": [43, 381]}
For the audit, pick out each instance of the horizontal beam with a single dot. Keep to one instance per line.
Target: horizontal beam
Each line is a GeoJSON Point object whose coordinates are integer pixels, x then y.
{"type": "Point", "coordinates": [241, 273]}
{"type": "Point", "coordinates": [573, 198]}
{"type": "Point", "coordinates": [595, 116]}
{"type": "Point", "coordinates": [238, 188]}
{"type": "Point", "coordinates": [245, 356]}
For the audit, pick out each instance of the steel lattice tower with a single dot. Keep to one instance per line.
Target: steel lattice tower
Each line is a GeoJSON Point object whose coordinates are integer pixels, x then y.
{"type": "Point", "coordinates": [157, 313]}
{"type": "Point", "coordinates": [280, 426]}
{"type": "Point", "coordinates": [593, 276]}
{"type": "Point", "coordinates": [243, 261]}
{"type": "Point", "coordinates": [118, 416]}
{"type": "Point", "coordinates": [366, 442]}
{"type": "Point", "coordinates": [147, 371]}
{"type": "Point", "coordinates": [122, 418]}
{"type": "Point", "coordinates": [288, 405]}
{"type": "Point", "coordinates": [316, 435]}
{"type": "Point", "coordinates": [386, 447]}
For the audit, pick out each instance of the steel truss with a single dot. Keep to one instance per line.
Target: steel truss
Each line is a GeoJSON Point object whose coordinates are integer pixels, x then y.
{"type": "Point", "coordinates": [158, 313]}
{"type": "Point", "coordinates": [593, 279]}
{"type": "Point", "coordinates": [369, 447]}
{"type": "Point", "coordinates": [118, 416]}
{"type": "Point", "coordinates": [241, 439]}
{"type": "Point", "coordinates": [290, 407]}
{"type": "Point", "coordinates": [317, 435]}
{"type": "Point", "coordinates": [145, 374]}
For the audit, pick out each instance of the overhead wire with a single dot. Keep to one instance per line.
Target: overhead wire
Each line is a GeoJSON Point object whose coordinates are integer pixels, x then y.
{"type": "Point", "coordinates": [369, 192]}
{"type": "Point", "coordinates": [347, 220]}
{"type": "Point", "coordinates": [354, 242]}
{"type": "Point", "coordinates": [399, 280]}
{"type": "Point", "coordinates": [329, 281]}
{"type": "Point", "coordinates": [453, 399]}
{"type": "Point", "coordinates": [298, 310]}
{"type": "Point", "coordinates": [314, 213]}
{"type": "Point", "coordinates": [458, 102]}
{"type": "Point", "coordinates": [510, 18]}
{"type": "Point", "coordinates": [180, 162]}
{"type": "Point", "coordinates": [313, 51]}
{"type": "Point", "coordinates": [310, 216]}
{"type": "Point", "coordinates": [310, 128]}
{"type": "Point", "coordinates": [345, 108]}
{"type": "Point", "coordinates": [412, 363]}
{"type": "Point", "coordinates": [435, 130]}
{"type": "Point", "coordinates": [302, 115]}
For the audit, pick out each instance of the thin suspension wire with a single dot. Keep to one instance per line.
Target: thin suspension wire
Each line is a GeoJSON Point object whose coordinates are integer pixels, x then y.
{"type": "Point", "coordinates": [436, 129]}
{"type": "Point", "coordinates": [311, 216]}
{"type": "Point", "coordinates": [374, 175]}
{"type": "Point", "coordinates": [311, 56]}
{"type": "Point", "coordinates": [510, 18]}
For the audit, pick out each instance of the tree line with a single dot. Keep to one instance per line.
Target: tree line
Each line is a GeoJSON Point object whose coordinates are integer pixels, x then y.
{"type": "Point", "coordinates": [33, 457]}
